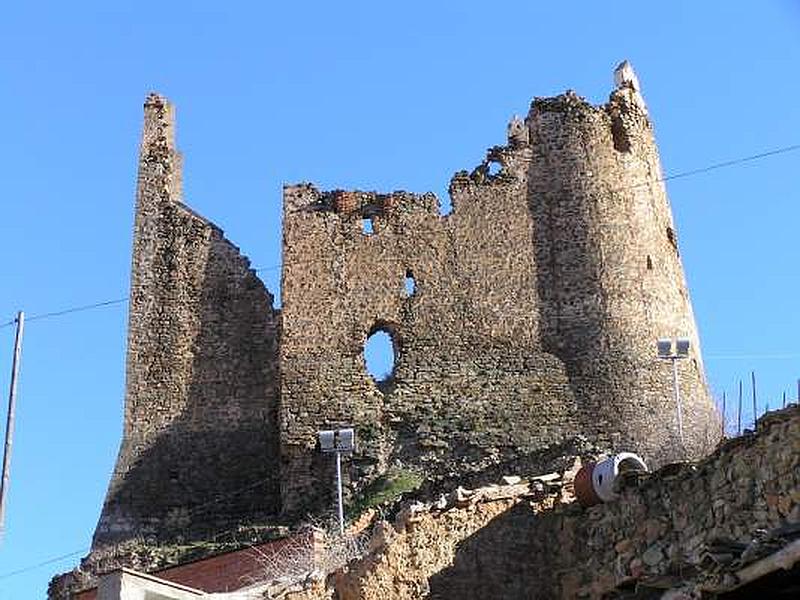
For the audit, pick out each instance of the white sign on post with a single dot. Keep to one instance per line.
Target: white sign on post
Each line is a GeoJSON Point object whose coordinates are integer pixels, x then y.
{"type": "Point", "coordinates": [338, 442]}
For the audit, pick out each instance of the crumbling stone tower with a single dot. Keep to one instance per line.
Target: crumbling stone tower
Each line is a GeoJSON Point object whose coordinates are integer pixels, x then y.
{"type": "Point", "coordinates": [200, 441]}
{"type": "Point", "coordinates": [537, 305]}
{"type": "Point", "coordinates": [532, 321]}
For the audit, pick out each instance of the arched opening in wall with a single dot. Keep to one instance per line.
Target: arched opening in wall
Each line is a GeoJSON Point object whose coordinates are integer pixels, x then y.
{"type": "Point", "coordinates": [379, 357]}
{"type": "Point", "coordinates": [494, 167]}
{"type": "Point", "coordinates": [410, 284]}
{"type": "Point", "coordinates": [366, 226]}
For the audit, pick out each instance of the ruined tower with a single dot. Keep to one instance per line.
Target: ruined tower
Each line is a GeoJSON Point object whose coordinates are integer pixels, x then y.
{"type": "Point", "coordinates": [199, 447]}
{"type": "Point", "coordinates": [537, 305]}
{"type": "Point", "coordinates": [531, 323]}
{"type": "Point", "coordinates": [609, 270]}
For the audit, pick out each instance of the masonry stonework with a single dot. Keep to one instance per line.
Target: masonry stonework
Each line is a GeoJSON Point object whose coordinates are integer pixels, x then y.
{"type": "Point", "coordinates": [532, 324]}
{"type": "Point", "coordinates": [201, 393]}
{"type": "Point", "coordinates": [686, 531]}
{"type": "Point", "coordinates": [538, 301]}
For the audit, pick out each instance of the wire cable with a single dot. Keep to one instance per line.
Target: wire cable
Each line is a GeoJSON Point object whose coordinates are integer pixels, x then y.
{"type": "Point", "coordinates": [75, 309]}
{"type": "Point", "coordinates": [730, 163]}
{"type": "Point", "coordinates": [67, 311]}
{"type": "Point", "coordinates": [194, 511]}
{"type": "Point", "coordinates": [199, 509]}
{"type": "Point", "coordinates": [44, 563]}
{"type": "Point", "coordinates": [679, 175]}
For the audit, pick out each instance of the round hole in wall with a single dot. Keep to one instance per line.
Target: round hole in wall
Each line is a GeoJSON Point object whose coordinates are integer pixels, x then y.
{"type": "Point", "coordinates": [379, 356]}
{"type": "Point", "coordinates": [495, 168]}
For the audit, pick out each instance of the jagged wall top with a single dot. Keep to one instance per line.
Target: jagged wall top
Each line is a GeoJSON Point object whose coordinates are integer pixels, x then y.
{"type": "Point", "coordinates": [505, 348]}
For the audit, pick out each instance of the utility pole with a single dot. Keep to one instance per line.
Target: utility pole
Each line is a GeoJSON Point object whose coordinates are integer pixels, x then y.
{"type": "Point", "coordinates": [12, 401]}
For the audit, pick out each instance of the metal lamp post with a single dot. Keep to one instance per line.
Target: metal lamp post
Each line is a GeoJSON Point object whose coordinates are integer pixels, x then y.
{"type": "Point", "coordinates": [675, 350]}
{"type": "Point", "coordinates": [338, 442]}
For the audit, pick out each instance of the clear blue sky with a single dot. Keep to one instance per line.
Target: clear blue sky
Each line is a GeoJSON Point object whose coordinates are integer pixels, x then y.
{"type": "Point", "coordinates": [350, 94]}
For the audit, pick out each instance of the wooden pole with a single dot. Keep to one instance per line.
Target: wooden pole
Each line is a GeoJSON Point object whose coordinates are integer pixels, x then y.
{"type": "Point", "coordinates": [755, 405]}
{"type": "Point", "coordinates": [12, 401]}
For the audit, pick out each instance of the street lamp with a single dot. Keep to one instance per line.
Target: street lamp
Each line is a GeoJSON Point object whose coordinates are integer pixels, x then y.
{"type": "Point", "coordinates": [338, 442]}
{"type": "Point", "coordinates": [674, 350]}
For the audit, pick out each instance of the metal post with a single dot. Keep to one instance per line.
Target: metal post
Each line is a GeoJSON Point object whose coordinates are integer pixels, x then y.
{"type": "Point", "coordinates": [676, 385]}
{"type": "Point", "coordinates": [339, 490]}
{"type": "Point", "coordinates": [338, 441]}
{"type": "Point", "coordinates": [724, 402]}
{"type": "Point", "coordinates": [12, 401]}
{"type": "Point", "coordinates": [739, 417]}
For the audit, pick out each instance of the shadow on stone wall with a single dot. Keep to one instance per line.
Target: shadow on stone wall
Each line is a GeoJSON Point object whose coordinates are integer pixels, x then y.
{"type": "Point", "coordinates": [494, 562]}
{"type": "Point", "coordinates": [215, 465]}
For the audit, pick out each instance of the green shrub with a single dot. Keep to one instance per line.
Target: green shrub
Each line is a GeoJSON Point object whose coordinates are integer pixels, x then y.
{"type": "Point", "coordinates": [385, 490]}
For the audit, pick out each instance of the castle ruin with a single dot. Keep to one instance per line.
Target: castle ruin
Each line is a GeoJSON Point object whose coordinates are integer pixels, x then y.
{"type": "Point", "coordinates": [535, 309]}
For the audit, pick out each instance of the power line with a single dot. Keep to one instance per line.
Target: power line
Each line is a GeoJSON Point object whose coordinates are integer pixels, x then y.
{"type": "Point", "coordinates": [76, 309]}
{"type": "Point", "coordinates": [44, 563]}
{"type": "Point", "coordinates": [730, 163]}
{"type": "Point", "coordinates": [201, 508]}
{"type": "Point", "coordinates": [679, 175]}
{"type": "Point", "coordinates": [67, 311]}
{"type": "Point", "coordinates": [194, 511]}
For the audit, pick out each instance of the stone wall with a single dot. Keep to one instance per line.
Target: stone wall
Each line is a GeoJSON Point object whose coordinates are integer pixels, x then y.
{"type": "Point", "coordinates": [470, 387]}
{"type": "Point", "coordinates": [610, 274]}
{"type": "Point", "coordinates": [537, 306]}
{"type": "Point", "coordinates": [686, 527]}
{"type": "Point", "coordinates": [531, 328]}
{"type": "Point", "coordinates": [200, 445]}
